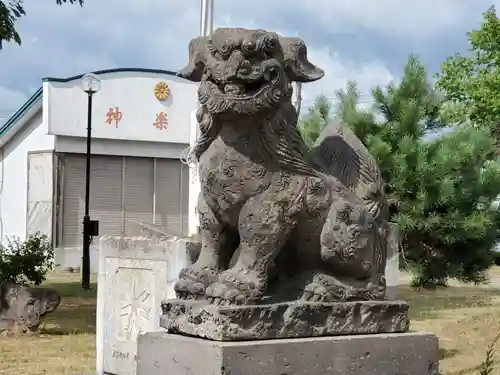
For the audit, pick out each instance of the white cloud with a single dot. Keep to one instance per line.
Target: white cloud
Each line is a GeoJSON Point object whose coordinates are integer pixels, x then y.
{"type": "Point", "coordinates": [338, 72]}
{"type": "Point", "coordinates": [400, 19]}
{"type": "Point", "coordinates": [414, 19]}
{"type": "Point", "coordinates": [11, 99]}
{"type": "Point", "coordinates": [67, 40]}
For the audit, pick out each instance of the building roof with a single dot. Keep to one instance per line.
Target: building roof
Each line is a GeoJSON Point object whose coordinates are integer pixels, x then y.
{"type": "Point", "coordinates": [36, 98]}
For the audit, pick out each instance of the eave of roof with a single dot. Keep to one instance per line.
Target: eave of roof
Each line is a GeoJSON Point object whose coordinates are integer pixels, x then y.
{"type": "Point", "coordinates": [108, 71]}
{"type": "Point", "coordinates": [37, 96]}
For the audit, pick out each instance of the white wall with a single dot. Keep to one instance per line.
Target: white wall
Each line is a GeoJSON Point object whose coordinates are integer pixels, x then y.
{"type": "Point", "coordinates": [13, 175]}
{"type": "Point", "coordinates": [133, 94]}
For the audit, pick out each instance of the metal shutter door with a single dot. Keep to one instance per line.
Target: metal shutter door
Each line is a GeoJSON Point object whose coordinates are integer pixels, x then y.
{"type": "Point", "coordinates": [172, 196]}
{"type": "Point", "coordinates": [73, 198]}
{"type": "Point", "coordinates": [105, 196]}
{"type": "Point", "coordinates": [138, 191]}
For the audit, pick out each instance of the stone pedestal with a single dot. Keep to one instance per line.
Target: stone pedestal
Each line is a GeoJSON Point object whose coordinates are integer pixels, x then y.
{"type": "Point", "coordinates": [411, 353]}
{"type": "Point", "coordinates": [283, 320]}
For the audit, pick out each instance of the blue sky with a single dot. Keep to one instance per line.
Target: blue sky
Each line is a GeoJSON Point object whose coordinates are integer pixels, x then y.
{"type": "Point", "coordinates": [364, 40]}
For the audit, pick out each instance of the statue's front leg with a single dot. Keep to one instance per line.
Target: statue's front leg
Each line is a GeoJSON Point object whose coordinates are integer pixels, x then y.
{"type": "Point", "coordinates": [264, 226]}
{"type": "Point", "coordinates": [194, 279]}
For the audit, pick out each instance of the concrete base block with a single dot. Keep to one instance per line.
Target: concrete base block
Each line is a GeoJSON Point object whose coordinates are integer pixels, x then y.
{"type": "Point", "coordinates": [413, 353]}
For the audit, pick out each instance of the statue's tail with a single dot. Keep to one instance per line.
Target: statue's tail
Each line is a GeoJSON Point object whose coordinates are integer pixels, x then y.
{"type": "Point", "coordinates": [340, 153]}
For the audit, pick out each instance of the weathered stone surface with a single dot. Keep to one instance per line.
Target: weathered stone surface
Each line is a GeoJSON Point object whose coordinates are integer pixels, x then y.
{"type": "Point", "coordinates": [268, 206]}
{"type": "Point", "coordinates": [384, 354]}
{"type": "Point", "coordinates": [283, 320]}
{"type": "Point", "coordinates": [392, 264]}
{"type": "Point", "coordinates": [135, 275]}
{"type": "Point", "coordinates": [293, 241]}
{"type": "Point", "coordinates": [23, 307]}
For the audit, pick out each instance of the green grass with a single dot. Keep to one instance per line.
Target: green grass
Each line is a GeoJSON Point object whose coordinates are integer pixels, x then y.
{"type": "Point", "coordinates": [64, 343]}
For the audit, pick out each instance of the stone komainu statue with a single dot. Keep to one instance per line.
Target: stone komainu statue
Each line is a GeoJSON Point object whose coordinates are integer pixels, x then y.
{"type": "Point", "coordinates": [300, 225]}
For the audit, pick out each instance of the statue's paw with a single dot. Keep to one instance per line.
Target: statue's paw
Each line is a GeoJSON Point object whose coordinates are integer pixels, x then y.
{"type": "Point", "coordinates": [326, 288]}
{"type": "Point", "coordinates": [235, 288]}
{"type": "Point", "coordinates": [315, 292]}
{"type": "Point", "coordinates": [193, 282]}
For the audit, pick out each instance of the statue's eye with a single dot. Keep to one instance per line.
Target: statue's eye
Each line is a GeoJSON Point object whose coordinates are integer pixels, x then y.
{"type": "Point", "coordinates": [270, 44]}
{"type": "Point", "coordinates": [249, 46]}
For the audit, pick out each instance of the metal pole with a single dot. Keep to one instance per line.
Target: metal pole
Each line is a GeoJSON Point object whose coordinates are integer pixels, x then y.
{"type": "Point", "coordinates": [86, 217]}
{"type": "Point", "coordinates": [203, 17]}
{"type": "Point", "coordinates": [210, 16]}
{"type": "Point", "coordinates": [206, 17]}
{"type": "Point", "coordinates": [206, 28]}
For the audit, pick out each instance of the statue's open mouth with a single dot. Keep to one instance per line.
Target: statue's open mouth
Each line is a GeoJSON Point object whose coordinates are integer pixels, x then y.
{"type": "Point", "coordinates": [244, 88]}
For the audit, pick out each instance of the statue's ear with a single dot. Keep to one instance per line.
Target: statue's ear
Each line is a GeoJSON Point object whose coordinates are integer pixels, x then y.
{"type": "Point", "coordinates": [298, 68]}
{"type": "Point", "coordinates": [197, 60]}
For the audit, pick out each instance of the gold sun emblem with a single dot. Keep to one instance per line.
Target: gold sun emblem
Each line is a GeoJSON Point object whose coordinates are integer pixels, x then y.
{"type": "Point", "coordinates": [162, 91]}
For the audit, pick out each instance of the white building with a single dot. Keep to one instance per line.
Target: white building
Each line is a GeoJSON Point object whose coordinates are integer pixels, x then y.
{"type": "Point", "coordinates": [136, 174]}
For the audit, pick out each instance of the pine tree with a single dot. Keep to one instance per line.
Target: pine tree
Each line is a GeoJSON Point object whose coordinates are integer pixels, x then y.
{"type": "Point", "coordinates": [315, 120]}
{"type": "Point", "coordinates": [440, 190]}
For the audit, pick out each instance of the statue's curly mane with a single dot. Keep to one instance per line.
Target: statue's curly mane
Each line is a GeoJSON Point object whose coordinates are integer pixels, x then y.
{"type": "Point", "coordinates": [209, 130]}
{"type": "Point", "coordinates": [280, 137]}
